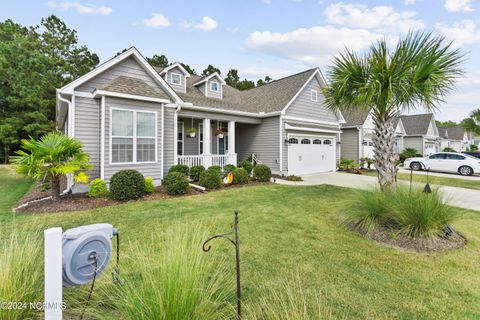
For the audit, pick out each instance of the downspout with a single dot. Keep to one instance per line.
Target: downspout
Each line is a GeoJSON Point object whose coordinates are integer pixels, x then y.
{"type": "Point", "coordinates": [69, 176]}
{"type": "Point", "coordinates": [175, 133]}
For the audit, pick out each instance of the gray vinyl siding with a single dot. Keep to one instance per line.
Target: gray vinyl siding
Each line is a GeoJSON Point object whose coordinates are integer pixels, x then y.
{"type": "Point", "coordinates": [147, 169]}
{"type": "Point", "coordinates": [190, 145]}
{"type": "Point", "coordinates": [304, 107]}
{"type": "Point", "coordinates": [169, 139]}
{"type": "Point", "coordinates": [413, 142]}
{"type": "Point", "coordinates": [261, 139]}
{"type": "Point", "coordinates": [177, 87]}
{"type": "Point", "coordinates": [87, 130]}
{"type": "Point", "coordinates": [128, 67]}
{"type": "Point", "coordinates": [214, 94]}
{"type": "Point", "coordinates": [350, 144]}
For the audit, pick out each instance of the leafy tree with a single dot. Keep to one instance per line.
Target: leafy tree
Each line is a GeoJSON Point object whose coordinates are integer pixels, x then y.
{"type": "Point", "coordinates": [50, 157]}
{"type": "Point", "coordinates": [473, 148]}
{"type": "Point", "coordinates": [209, 70]}
{"type": "Point", "coordinates": [189, 69]}
{"type": "Point", "coordinates": [159, 61]}
{"type": "Point", "coordinates": [261, 82]}
{"type": "Point", "coordinates": [419, 70]}
{"type": "Point", "coordinates": [233, 80]}
{"type": "Point", "coordinates": [245, 84]}
{"type": "Point", "coordinates": [448, 123]}
{"type": "Point", "coordinates": [472, 123]}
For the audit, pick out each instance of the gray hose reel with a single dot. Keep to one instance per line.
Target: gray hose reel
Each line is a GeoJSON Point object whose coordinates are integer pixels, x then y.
{"type": "Point", "coordinates": [81, 247]}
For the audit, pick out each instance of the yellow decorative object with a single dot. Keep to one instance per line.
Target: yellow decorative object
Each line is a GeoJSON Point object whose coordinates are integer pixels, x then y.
{"type": "Point", "coordinates": [229, 178]}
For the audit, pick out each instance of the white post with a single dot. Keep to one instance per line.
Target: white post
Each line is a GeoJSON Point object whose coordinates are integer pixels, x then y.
{"type": "Point", "coordinates": [232, 156]}
{"type": "Point", "coordinates": [207, 143]}
{"type": "Point", "coordinates": [53, 273]}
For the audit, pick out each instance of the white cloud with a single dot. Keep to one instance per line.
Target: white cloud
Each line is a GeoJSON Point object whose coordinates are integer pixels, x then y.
{"type": "Point", "coordinates": [80, 8]}
{"type": "Point", "coordinates": [267, 1]}
{"type": "Point", "coordinates": [207, 24]}
{"type": "Point", "coordinates": [381, 18]}
{"type": "Point", "coordinates": [458, 5]}
{"type": "Point", "coordinates": [312, 46]}
{"type": "Point", "coordinates": [410, 1]}
{"type": "Point", "coordinates": [157, 20]}
{"type": "Point", "coordinates": [461, 33]}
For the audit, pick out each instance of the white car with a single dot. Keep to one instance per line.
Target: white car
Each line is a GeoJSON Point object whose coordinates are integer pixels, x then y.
{"type": "Point", "coordinates": [447, 162]}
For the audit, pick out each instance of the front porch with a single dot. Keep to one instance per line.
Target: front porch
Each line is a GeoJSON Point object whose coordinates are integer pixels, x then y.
{"type": "Point", "coordinates": [205, 142]}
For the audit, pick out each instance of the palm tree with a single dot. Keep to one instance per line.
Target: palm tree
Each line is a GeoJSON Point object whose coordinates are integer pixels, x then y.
{"type": "Point", "coordinates": [419, 71]}
{"type": "Point", "coordinates": [50, 157]}
{"type": "Point", "coordinates": [472, 123]}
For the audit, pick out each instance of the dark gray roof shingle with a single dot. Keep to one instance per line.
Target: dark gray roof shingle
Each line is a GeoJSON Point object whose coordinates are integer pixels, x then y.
{"type": "Point", "coordinates": [417, 124]}
{"type": "Point", "coordinates": [354, 118]}
{"type": "Point", "coordinates": [452, 132]}
{"type": "Point", "coordinates": [128, 85]}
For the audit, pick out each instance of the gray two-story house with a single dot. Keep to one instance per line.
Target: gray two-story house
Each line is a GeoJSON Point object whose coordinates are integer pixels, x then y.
{"type": "Point", "coordinates": [129, 115]}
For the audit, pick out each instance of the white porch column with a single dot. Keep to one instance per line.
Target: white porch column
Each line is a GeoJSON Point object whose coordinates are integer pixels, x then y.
{"type": "Point", "coordinates": [232, 156]}
{"type": "Point", "coordinates": [207, 143]}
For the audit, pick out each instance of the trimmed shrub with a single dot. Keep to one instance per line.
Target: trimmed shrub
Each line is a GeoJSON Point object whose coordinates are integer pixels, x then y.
{"type": "Point", "coordinates": [127, 185]}
{"type": "Point", "coordinates": [182, 168]}
{"type": "Point", "coordinates": [216, 169]}
{"type": "Point", "coordinates": [176, 183]}
{"type": "Point", "coordinates": [247, 165]}
{"type": "Point", "coordinates": [228, 168]}
{"type": "Point", "coordinates": [195, 172]}
{"type": "Point", "coordinates": [240, 176]}
{"type": "Point", "coordinates": [210, 179]}
{"type": "Point", "coordinates": [262, 173]}
{"type": "Point", "coordinates": [149, 187]}
{"type": "Point", "coordinates": [408, 153]}
{"type": "Point", "coordinates": [448, 149]}
{"type": "Point", "coordinates": [98, 188]}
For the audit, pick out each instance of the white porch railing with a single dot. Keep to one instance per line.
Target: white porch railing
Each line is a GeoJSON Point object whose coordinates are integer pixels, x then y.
{"type": "Point", "coordinates": [220, 160]}
{"type": "Point", "coordinates": [191, 161]}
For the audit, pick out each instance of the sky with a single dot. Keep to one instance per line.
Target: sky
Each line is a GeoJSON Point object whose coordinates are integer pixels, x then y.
{"type": "Point", "coordinates": [265, 37]}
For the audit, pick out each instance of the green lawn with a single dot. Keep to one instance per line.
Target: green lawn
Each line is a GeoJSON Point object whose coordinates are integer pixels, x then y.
{"type": "Point", "coordinates": [443, 181]}
{"type": "Point", "coordinates": [293, 236]}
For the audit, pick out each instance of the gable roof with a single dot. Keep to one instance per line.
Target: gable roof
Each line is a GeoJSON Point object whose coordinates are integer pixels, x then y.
{"type": "Point", "coordinates": [355, 118]}
{"type": "Point", "coordinates": [128, 85]}
{"type": "Point", "coordinates": [417, 124]}
{"type": "Point", "coordinates": [173, 66]}
{"type": "Point", "coordinates": [452, 132]}
{"type": "Point", "coordinates": [210, 76]}
{"type": "Point", "coordinates": [132, 52]}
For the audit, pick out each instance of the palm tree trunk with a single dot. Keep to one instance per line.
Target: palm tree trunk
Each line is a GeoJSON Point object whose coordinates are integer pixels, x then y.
{"type": "Point", "coordinates": [384, 153]}
{"type": "Point", "coordinates": [55, 184]}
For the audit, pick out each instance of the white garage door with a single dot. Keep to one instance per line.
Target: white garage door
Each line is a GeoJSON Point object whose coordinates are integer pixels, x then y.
{"type": "Point", "coordinates": [308, 154]}
{"type": "Point", "coordinates": [430, 148]}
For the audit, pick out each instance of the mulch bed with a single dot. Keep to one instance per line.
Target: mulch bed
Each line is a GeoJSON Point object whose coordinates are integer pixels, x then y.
{"type": "Point", "coordinates": [80, 201]}
{"type": "Point", "coordinates": [393, 238]}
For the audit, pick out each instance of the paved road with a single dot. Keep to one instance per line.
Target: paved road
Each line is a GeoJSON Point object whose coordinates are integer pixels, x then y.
{"type": "Point", "coordinates": [459, 197]}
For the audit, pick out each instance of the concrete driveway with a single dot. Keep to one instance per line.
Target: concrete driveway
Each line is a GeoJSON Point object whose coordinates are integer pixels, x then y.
{"type": "Point", "coordinates": [459, 197]}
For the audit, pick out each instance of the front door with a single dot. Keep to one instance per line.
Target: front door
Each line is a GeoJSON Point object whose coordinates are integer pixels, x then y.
{"type": "Point", "coordinates": [222, 140]}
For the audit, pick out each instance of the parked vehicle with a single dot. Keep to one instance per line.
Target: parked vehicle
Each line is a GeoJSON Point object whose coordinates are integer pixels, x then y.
{"type": "Point", "coordinates": [475, 154]}
{"type": "Point", "coordinates": [463, 164]}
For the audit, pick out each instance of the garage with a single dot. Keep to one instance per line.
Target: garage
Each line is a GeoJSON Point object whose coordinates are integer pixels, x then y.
{"type": "Point", "coordinates": [311, 154]}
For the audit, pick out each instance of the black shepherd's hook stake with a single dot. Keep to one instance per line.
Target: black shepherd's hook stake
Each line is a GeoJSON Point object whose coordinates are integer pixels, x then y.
{"type": "Point", "coordinates": [236, 243]}
{"type": "Point", "coordinates": [427, 188]}
{"type": "Point", "coordinates": [411, 178]}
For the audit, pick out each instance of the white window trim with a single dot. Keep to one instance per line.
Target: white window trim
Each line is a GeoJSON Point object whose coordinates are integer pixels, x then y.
{"type": "Point", "coordinates": [134, 137]}
{"type": "Point", "coordinates": [218, 86]}
{"type": "Point", "coordinates": [182, 124]}
{"type": "Point", "coordinates": [179, 78]}
{"type": "Point", "coordinates": [314, 95]}
{"type": "Point", "coordinates": [200, 139]}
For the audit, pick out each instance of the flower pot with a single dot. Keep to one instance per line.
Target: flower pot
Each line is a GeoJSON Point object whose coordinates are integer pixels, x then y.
{"type": "Point", "coordinates": [220, 135]}
{"type": "Point", "coordinates": [192, 134]}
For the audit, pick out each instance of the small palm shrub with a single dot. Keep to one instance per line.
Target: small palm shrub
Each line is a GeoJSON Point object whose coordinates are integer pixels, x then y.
{"type": "Point", "coordinates": [127, 185]}
{"type": "Point", "coordinates": [347, 164]}
{"type": "Point", "coordinates": [247, 165]}
{"type": "Point", "coordinates": [170, 278]}
{"type": "Point", "coordinates": [240, 176]}
{"type": "Point", "coordinates": [98, 188]}
{"type": "Point", "coordinates": [149, 186]}
{"type": "Point", "coordinates": [21, 273]}
{"type": "Point", "coordinates": [176, 183]}
{"type": "Point", "coordinates": [216, 169]}
{"type": "Point", "coordinates": [228, 168]}
{"type": "Point", "coordinates": [420, 214]}
{"type": "Point", "coordinates": [195, 172]}
{"type": "Point", "coordinates": [262, 173]}
{"type": "Point", "coordinates": [210, 179]}
{"type": "Point", "coordinates": [182, 168]}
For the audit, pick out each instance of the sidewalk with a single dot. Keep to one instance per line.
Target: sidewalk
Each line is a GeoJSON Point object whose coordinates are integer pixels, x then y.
{"type": "Point", "coordinates": [459, 197]}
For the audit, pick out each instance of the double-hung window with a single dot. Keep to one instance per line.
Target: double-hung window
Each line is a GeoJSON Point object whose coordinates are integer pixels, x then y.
{"type": "Point", "coordinates": [133, 136]}
{"type": "Point", "coordinates": [176, 78]}
{"type": "Point", "coordinates": [214, 86]}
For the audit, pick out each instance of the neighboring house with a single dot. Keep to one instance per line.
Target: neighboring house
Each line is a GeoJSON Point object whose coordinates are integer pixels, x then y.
{"type": "Point", "coordinates": [455, 137]}
{"type": "Point", "coordinates": [357, 134]}
{"type": "Point", "coordinates": [421, 133]}
{"type": "Point", "coordinates": [130, 116]}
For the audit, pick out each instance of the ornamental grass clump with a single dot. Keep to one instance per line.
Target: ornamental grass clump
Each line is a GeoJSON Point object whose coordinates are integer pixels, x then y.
{"type": "Point", "coordinates": [368, 209]}
{"type": "Point", "coordinates": [170, 277]}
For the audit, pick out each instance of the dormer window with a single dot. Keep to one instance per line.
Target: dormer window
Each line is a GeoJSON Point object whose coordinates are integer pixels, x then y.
{"type": "Point", "coordinates": [175, 78]}
{"type": "Point", "coordinates": [214, 86]}
{"type": "Point", "coordinates": [314, 95]}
